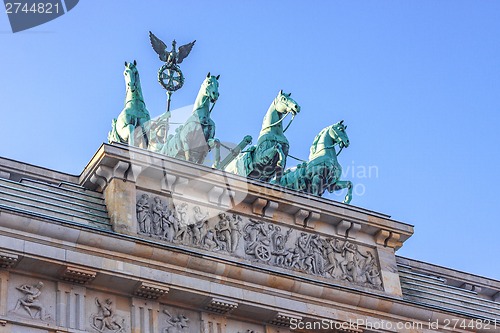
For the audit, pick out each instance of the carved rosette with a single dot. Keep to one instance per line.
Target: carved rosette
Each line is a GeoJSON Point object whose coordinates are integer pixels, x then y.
{"type": "Point", "coordinates": [258, 241]}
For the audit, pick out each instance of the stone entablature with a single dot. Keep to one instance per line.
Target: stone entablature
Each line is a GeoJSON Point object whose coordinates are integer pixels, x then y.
{"type": "Point", "coordinates": [124, 174]}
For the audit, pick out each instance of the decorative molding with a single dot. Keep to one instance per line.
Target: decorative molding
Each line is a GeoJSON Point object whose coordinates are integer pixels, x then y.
{"type": "Point", "coordinates": [167, 182]}
{"type": "Point", "coordinates": [225, 200]}
{"type": "Point", "coordinates": [120, 169]}
{"type": "Point", "coordinates": [394, 240]}
{"type": "Point", "coordinates": [283, 319]}
{"type": "Point", "coordinates": [8, 260]}
{"type": "Point", "coordinates": [3, 322]}
{"type": "Point", "coordinates": [258, 206]}
{"type": "Point", "coordinates": [99, 181]}
{"type": "Point", "coordinates": [215, 194]}
{"type": "Point", "coordinates": [133, 172]}
{"type": "Point", "coordinates": [311, 220]}
{"type": "Point", "coordinates": [348, 229]}
{"type": "Point", "coordinates": [354, 230]}
{"type": "Point", "coordinates": [264, 208]}
{"type": "Point", "coordinates": [388, 239]}
{"type": "Point", "coordinates": [177, 184]}
{"type": "Point", "coordinates": [150, 291]}
{"type": "Point", "coordinates": [300, 217]}
{"type": "Point", "coordinates": [221, 306]}
{"type": "Point", "coordinates": [270, 208]}
{"type": "Point", "coordinates": [342, 228]}
{"type": "Point", "coordinates": [105, 173]}
{"type": "Point", "coordinates": [306, 218]}
{"type": "Point", "coordinates": [78, 275]}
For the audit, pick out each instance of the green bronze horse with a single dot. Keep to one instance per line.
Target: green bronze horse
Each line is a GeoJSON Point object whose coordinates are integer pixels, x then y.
{"type": "Point", "coordinates": [268, 158]}
{"type": "Point", "coordinates": [322, 171]}
{"type": "Point", "coordinates": [196, 137]}
{"type": "Point", "coordinates": [129, 126]}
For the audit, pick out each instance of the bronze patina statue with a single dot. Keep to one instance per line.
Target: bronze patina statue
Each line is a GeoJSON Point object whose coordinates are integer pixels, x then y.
{"type": "Point", "coordinates": [173, 57]}
{"type": "Point", "coordinates": [192, 141]}
{"type": "Point", "coordinates": [170, 75]}
{"type": "Point", "coordinates": [196, 137]}
{"type": "Point", "coordinates": [322, 171]}
{"type": "Point", "coordinates": [268, 158]}
{"type": "Point", "coordinates": [129, 126]}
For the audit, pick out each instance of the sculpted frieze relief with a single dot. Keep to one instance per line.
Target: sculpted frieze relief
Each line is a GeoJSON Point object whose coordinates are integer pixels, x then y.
{"type": "Point", "coordinates": [259, 241]}
{"type": "Point", "coordinates": [30, 302]}
{"type": "Point", "coordinates": [176, 323]}
{"type": "Point", "coordinates": [105, 319]}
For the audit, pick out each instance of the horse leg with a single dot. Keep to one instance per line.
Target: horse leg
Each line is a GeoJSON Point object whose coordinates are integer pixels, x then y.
{"type": "Point", "coordinates": [341, 184]}
{"type": "Point", "coordinates": [316, 185]}
{"type": "Point", "coordinates": [281, 156]}
{"type": "Point", "coordinates": [131, 134]}
{"type": "Point", "coordinates": [280, 165]}
{"type": "Point", "coordinates": [144, 136]}
{"type": "Point", "coordinates": [216, 154]}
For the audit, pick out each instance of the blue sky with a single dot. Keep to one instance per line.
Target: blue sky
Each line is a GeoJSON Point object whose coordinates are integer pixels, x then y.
{"type": "Point", "coordinates": [417, 83]}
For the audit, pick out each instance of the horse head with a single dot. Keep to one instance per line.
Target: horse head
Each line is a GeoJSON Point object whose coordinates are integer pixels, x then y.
{"type": "Point", "coordinates": [285, 104]}
{"type": "Point", "coordinates": [131, 76]}
{"type": "Point", "coordinates": [211, 86]}
{"type": "Point", "coordinates": [339, 135]}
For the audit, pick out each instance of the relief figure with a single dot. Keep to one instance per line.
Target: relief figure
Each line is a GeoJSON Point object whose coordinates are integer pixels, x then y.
{"type": "Point", "coordinates": [106, 320]}
{"type": "Point", "coordinates": [143, 214]}
{"type": "Point", "coordinates": [30, 301]}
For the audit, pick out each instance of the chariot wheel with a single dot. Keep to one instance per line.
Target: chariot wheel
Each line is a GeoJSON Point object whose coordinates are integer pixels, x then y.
{"type": "Point", "coordinates": [262, 252]}
{"type": "Point", "coordinates": [170, 77]}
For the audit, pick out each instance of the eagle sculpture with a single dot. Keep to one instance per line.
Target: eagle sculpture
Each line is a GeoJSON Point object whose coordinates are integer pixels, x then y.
{"type": "Point", "coordinates": [175, 56]}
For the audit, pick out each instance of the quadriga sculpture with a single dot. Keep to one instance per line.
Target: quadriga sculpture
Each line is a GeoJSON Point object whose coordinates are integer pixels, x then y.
{"type": "Point", "coordinates": [129, 126]}
{"type": "Point", "coordinates": [268, 158]}
{"type": "Point", "coordinates": [196, 137]}
{"type": "Point", "coordinates": [322, 171]}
